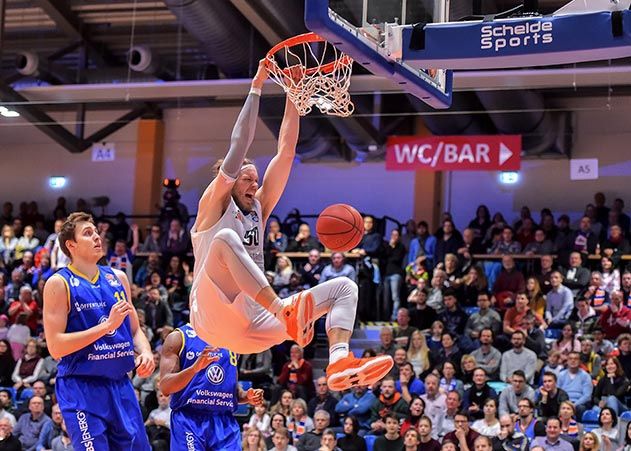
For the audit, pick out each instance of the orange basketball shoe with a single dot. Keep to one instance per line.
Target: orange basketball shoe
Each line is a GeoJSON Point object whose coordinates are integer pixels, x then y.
{"type": "Point", "coordinates": [298, 318]}
{"type": "Point", "coordinates": [350, 371]}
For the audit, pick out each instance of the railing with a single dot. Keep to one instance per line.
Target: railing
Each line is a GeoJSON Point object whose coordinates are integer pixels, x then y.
{"type": "Point", "coordinates": [537, 256]}
{"type": "Point", "coordinates": [299, 255]}
{"type": "Point", "coordinates": [351, 255]}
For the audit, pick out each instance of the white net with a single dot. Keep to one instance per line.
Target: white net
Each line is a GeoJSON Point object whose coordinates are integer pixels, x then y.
{"type": "Point", "coordinates": [319, 76]}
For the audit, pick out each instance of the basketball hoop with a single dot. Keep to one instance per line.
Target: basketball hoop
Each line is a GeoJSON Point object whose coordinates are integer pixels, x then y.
{"type": "Point", "coordinates": [312, 72]}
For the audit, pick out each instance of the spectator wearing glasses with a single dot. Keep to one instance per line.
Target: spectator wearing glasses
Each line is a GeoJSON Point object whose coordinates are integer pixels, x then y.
{"type": "Point", "coordinates": [514, 393]}
{"type": "Point", "coordinates": [463, 435]}
{"type": "Point", "coordinates": [526, 423]}
{"type": "Point", "coordinates": [8, 441]}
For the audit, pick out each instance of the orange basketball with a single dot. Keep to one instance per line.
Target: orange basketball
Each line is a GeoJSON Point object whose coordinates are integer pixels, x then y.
{"type": "Point", "coordinates": [340, 227]}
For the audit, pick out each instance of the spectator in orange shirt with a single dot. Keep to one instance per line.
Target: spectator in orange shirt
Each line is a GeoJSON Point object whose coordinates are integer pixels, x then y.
{"type": "Point", "coordinates": [516, 314]}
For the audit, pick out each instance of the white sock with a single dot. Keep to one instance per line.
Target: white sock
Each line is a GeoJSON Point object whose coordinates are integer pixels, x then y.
{"type": "Point", "coordinates": [338, 351]}
{"type": "Point", "coordinates": [279, 304]}
{"type": "Point", "coordinates": [276, 306]}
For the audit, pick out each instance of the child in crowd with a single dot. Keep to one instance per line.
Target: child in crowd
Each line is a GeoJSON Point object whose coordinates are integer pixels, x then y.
{"type": "Point", "coordinates": [260, 420]}
{"type": "Point", "coordinates": [553, 364]}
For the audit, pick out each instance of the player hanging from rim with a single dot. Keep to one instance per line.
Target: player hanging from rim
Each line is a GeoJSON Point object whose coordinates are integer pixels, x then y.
{"type": "Point", "coordinates": [232, 304]}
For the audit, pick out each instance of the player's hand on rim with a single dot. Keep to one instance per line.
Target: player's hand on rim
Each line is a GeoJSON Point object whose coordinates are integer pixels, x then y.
{"type": "Point", "coordinates": [145, 364]}
{"type": "Point", "coordinates": [261, 75]}
{"type": "Point", "coordinates": [206, 358]}
{"type": "Point", "coordinates": [254, 396]}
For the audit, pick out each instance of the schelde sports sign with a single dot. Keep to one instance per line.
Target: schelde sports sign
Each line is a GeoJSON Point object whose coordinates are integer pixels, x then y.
{"type": "Point", "coordinates": [498, 36]}
{"type": "Point", "coordinates": [519, 42]}
{"type": "Point", "coordinates": [454, 153]}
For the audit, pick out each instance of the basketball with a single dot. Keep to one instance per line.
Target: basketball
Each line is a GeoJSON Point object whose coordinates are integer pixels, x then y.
{"type": "Point", "coordinates": [340, 227]}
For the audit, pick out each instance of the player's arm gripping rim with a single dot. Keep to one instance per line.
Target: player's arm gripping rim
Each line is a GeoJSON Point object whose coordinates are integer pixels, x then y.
{"type": "Point", "coordinates": [172, 380]}
{"type": "Point", "coordinates": [216, 197]}
{"type": "Point", "coordinates": [56, 309]}
{"type": "Point", "coordinates": [277, 172]}
{"type": "Point", "coordinates": [144, 360]}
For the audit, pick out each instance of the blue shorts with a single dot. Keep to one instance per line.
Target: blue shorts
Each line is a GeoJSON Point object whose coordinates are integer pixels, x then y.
{"type": "Point", "coordinates": [101, 414]}
{"type": "Point", "coordinates": [204, 431]}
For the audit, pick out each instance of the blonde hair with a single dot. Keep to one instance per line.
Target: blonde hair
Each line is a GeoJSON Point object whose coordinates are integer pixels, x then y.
{"type": "Point", "coordinates": [298, 402]}
{"type": "Point", "coordinates": [467, 357]}
{"type": "Point", "coordinates": [290, 267]}
{"type": "Point", "coordinates": [570, 404]}
{"type": "Point", "coordinates": [452, 258]}
{"type": "Point", "coordinates": [10, 229]}
{"type": "Point", "coordinates": [260, 445]}
{"type": "Point", "coordinates": [421, 353]}
{"type": "Point", "coordinates": [594, 437]}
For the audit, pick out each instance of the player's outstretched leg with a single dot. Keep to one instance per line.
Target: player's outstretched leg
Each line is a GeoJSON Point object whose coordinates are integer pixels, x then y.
{"type": "Point", "coordinates": [337, 299]}
{"type": "Point", "coordinates": [231, 268]}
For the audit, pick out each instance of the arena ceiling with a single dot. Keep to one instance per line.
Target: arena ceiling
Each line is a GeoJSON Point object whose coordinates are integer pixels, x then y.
{"type": "Point", "coordinates": [63, 44]}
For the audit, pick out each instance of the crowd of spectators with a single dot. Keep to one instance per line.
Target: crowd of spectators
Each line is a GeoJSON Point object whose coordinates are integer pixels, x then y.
{"type": "Point", "coordinates": [507, 337]}
{"type": "Point", "coordinates": [528, 346]}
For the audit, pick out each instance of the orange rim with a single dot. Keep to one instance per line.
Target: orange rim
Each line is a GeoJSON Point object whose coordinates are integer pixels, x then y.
{"type": "Point", "coordinates": [304, 39]}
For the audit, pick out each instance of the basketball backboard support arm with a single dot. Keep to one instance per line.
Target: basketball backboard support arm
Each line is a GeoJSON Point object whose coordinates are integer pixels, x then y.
{"type": "Point", "coordinates": [366, 44]}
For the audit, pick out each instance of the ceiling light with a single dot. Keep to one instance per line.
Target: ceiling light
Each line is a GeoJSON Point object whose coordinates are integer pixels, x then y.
{"type": "Point", "coordinates": [57, 182]}
{"type": "Point", "coordinates": [4, 111]}
{"type": "Point", "coordinates": [509, 178]}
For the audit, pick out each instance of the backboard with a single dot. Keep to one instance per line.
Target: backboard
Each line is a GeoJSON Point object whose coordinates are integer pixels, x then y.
{"type": "Point", "coordinates": [370, 31]}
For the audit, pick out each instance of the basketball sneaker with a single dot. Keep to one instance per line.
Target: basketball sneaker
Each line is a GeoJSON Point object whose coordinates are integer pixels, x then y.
{"type": "Point", "coordinates": [298, 318]}
{"type": "Point", "coordinates": [350, 371]}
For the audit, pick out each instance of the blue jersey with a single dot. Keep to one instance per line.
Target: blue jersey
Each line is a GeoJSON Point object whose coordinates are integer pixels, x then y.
{"type": "Point", "coordinates": [112, 355]}
{"type": "Point", "coordinates": [213, 389]}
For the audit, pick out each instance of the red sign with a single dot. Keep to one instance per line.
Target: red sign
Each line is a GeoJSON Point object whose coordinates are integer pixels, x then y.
{"type": "Point", "coordinates": [454, 153]}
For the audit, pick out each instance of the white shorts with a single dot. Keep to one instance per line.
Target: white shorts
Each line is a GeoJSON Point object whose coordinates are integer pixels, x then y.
{"type": "Point", "coordinates": [241, 325]}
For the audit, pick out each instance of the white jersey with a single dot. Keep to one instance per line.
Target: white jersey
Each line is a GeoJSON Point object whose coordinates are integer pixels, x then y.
{"type": "Point", "coordinates": [227, 319]}
{"type": "Point", "coordinates": [248, 226]}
